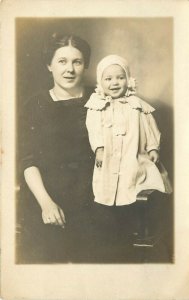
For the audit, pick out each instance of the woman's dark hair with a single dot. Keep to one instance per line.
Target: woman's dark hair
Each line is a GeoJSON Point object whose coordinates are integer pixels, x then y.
{"type": "Point", "coordinates": [57, 41]}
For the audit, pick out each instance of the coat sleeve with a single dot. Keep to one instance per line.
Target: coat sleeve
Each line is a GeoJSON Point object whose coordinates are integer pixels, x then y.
{"type": "Point", "coordinates": [95, 129]}
{"type": "Point", "coordinates": [152, 132]}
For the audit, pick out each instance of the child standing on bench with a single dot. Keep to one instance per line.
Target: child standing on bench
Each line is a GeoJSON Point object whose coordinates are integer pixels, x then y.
{"type": "Point", "coordinates": [124, 137]}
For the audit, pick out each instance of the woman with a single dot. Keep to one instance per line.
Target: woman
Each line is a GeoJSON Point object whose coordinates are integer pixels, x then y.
{"type": "Point", "coordinates": [57, 160]}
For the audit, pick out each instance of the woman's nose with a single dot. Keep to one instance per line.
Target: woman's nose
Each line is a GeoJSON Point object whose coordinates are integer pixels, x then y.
{"type": "Point", "coordinates": [70, 67]}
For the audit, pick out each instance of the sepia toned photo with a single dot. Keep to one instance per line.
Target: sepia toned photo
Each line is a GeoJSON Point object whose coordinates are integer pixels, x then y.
{"type": "Point", "coordinates": [94, 140]}
{"type": "Point", "coordinates": [94, 193]}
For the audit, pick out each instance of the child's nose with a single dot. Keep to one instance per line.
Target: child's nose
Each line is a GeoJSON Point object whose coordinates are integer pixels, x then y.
{"type": "Point", "coordinates": [114, 81]}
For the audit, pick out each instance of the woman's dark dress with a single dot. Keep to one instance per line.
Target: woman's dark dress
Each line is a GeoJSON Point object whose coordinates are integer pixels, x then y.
{"type": "Point", "coordinates": [54, 138]}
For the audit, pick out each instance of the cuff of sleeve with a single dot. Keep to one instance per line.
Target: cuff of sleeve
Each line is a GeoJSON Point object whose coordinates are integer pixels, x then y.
{"type": "Point", "coordinates": [95, 147]}
{"type": "Point", "coordinates": [152, 147]}
{"type": "Point", "coordinates": [28, 162]}
{"type": "Point", "coordinates": [99, 148]}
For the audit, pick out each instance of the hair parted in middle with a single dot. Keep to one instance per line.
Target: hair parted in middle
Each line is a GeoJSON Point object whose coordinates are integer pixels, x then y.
{"type": "Point", "coordinates": [58, 40]}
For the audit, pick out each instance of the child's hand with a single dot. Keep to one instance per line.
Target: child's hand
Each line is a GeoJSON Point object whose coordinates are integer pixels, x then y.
{"type": "Point", "coordinates": [154, 156]}
{"type": "Point", "coordinates": [99, 157]}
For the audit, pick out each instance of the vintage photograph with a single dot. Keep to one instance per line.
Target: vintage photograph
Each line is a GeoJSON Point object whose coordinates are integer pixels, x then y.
{"type": "Point", "coordinates": [94, 193]}
{"type": "Point", "coordinates": [94, 140]}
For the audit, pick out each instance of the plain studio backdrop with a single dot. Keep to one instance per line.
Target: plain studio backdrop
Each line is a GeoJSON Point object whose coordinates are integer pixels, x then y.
{"type": "Point", "coordinates": [146, 43]}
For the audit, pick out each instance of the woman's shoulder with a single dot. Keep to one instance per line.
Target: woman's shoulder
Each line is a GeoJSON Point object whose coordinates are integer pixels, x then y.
{"type": "Point", "coordinates": [37, 99]}
{"type": "Point", "coordinates": [137, 103]}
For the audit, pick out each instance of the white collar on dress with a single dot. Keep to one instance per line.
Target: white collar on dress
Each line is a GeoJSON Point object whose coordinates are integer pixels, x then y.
{"type": "Point", "coordinates": [53, 96]}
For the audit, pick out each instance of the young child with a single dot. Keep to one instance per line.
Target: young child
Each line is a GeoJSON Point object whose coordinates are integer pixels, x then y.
{"type": "Point", "coordinates": [126, 141]}
{"type": "Point", "coordinates": [124, 137]}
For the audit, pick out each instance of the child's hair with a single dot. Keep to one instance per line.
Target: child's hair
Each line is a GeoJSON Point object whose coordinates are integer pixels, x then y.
{"type": "Point", "coordinates": [57, 41]}
{"type": "Point", "coordinates": [115, 60]}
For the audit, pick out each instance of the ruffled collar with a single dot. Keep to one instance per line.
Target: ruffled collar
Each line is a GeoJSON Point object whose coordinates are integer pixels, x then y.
{"type": "Point", "coordinates": [99, 103]}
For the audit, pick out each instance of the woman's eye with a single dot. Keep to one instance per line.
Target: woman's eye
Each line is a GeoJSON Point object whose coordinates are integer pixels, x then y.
{"type": "Point", "coordinates": [62, 61]}
{"type": "Point", "coordinates": [78, 62]}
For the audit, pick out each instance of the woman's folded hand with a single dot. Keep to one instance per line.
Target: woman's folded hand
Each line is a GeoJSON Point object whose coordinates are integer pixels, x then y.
{"type": "Point", "coordinates": [53, 214]}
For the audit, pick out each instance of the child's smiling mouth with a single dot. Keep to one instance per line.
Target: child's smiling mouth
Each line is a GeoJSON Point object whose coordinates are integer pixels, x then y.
{"type": "Point", "coordinates": [115, 89]}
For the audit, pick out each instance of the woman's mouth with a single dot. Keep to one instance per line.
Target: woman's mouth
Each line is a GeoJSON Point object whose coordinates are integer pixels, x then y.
{"type": "Point", "coordinates": [69, 77]}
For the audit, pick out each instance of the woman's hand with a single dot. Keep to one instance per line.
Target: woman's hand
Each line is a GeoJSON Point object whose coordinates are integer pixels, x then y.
{"type": "Point", "coordinates": [53, 214]}
{"type": "Point", "coordinates": [99, 157]}
{"type": "Point", "coordinates": [154, 156]}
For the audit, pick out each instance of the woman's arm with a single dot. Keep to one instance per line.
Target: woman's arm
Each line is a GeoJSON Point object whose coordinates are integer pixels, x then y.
{"type": "Point", "coordinates": [51, 212]}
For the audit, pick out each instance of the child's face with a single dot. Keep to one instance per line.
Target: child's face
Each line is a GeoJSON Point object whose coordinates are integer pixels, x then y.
{"type": "Point", "coordinates": [114, 81]}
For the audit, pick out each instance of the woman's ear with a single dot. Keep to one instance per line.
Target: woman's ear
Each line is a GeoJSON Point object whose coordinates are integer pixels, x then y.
{"type": "Point", "coordinates": [49, 68]}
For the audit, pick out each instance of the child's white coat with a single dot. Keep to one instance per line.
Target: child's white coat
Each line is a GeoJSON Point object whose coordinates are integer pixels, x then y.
{"type": "Point", "coordinates": [127, 130]}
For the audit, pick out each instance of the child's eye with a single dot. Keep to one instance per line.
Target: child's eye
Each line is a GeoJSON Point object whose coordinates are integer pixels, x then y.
{"type": "Point", "coordinates": [122, 77]}
{"type": "Point", "coordinates": [108, 78]}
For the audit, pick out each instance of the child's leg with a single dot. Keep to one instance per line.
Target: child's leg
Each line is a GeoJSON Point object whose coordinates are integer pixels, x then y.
{"type": "Point", "coordinates": [104, 221]}
{"type": "Point", "coordinates": [104, 233]}
{"type": "Point", "coordinates": [126, 216]}
{"type": "Point", "coordinates": [112, 231]}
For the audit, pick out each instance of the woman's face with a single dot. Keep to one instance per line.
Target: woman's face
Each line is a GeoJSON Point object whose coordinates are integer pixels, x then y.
{"type": "Point", "coordinates": [67, 67]}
